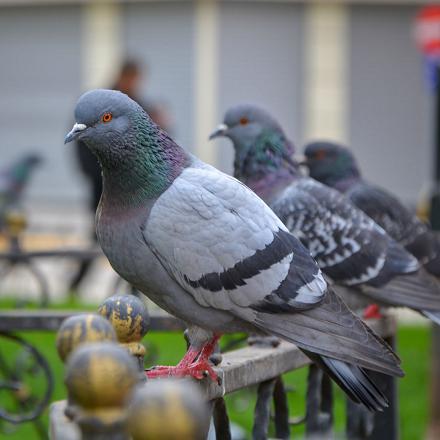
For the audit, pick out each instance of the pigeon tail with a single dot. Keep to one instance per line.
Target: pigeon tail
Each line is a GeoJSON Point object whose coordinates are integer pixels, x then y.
{"type": "Point", "coordinates": [354, 381]}
{"type": "Point", "coordinates": [417, 291]}
{"type": "Point", "coordinates": [433, 316]}
{"type": "Point", "coordinates": [331, 325]}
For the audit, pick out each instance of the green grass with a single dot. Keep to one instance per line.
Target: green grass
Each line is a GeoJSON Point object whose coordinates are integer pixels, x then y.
{"type": "Point", "coordinates": [70, 303]}
{"type": "Point", "coordinates": [413, 343]}
{"type": "Point", "coordinates": [413, 347]}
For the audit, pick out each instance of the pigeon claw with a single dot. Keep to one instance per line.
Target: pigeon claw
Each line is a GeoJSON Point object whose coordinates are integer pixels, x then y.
{"type": "Point", "coordinates": [372, 312]}
{"type": "Point", "coordinates": [198, 370]}
{"type": "Point", "coordinates": [201, 369]}
{"type": "Point", "coordinates": [194, 364]}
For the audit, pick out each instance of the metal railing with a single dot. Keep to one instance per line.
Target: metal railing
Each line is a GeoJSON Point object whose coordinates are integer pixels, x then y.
{"type": "Point", "coordinates": [263, 365]}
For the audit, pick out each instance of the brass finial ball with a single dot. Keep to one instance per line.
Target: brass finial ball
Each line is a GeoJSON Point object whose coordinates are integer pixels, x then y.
{"type": "Point", "coordinates": [99, 376]}
{"type": "Point", "coordinates": [15, 222]}
{"type": "Point", "coordinates": [79, 329]}
{"type": "Point", "coordinates": [129, 317]}
{"type": "Point", "coordinates": [168, 409]}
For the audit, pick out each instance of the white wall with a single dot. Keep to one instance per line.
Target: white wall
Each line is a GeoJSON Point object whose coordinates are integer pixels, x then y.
{"type": "Point", "coordinates": [161, 33]}
{"type": "Point", "coordinates": [260, 59]}
{"type": "Point", "coordinates": [390, 105]}
{"type": "Point", "coordinates": [260, 56]}
{"type": "Point", "coordinates": [39, 82]}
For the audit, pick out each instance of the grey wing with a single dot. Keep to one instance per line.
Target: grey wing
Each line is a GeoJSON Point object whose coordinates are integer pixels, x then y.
{"type": "Point", "coordinates": [387, 211]}
{"type": "Point", "coordinates": [347, 245]}
{"type": "Point", "coordinates": [398, 221]}
{"type": "Point", "coordinates": [226, 248]}
{"type": "Point", "coordinates": [332, 325]}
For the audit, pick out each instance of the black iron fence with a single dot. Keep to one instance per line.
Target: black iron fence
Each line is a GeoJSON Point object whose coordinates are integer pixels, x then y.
{"type": "Point", "coordinates": [261, 365]}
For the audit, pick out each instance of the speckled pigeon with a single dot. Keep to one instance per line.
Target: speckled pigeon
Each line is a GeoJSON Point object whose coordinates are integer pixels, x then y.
{"type": "Point", "coordinates": [208, 250]}
{"type": "Point", "coordinates": [13, 180]}
{"type": "Point", "coordinates": [336, 166]}
{"type": "Point", "coordinates": [349, 247]}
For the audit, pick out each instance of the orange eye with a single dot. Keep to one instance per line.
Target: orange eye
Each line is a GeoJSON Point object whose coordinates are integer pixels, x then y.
{"type": "Point", "coordinates": [244, 121]}
{"type": "Point", "coordinates": [107, 117]}
{"type": "Point", "coordinates": [320, 154]}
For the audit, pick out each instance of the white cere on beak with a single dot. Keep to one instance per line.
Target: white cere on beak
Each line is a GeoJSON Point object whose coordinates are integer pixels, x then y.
{"type": "Point", "coordinates": [79, 127]}
{"type": "Point", "coordinates": [76, 129]}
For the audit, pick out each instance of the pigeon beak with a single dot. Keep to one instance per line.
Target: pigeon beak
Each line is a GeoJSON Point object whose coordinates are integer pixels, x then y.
{"type": "Point", "coordinates": [219, 131]}
{"type": "Point", "coordinates": [74, 133]}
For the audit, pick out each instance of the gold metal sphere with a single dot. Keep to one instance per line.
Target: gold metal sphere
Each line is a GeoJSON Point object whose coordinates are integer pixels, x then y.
{"type": "Point", "coordinates": [79, 329]}
{"type": "Point", "coordinates": [15, 222]}
{"type": "Point", "coordinates": [168, 409]}
{"type": "Point", "coordinates": [129, 317]}
{"type": "Point", "coordinates": [100, 377]}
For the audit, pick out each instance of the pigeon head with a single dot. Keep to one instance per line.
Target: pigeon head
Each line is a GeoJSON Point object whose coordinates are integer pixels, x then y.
{"type": "Point", "coordinates": [17, 175]}
{"type": "Point", "coordinates": [243, 124]}
{"type": "Point", "coordinates": [138, 159]}
{"type": "Point", "coordinates": [103, 119]}
{"type": "Point", "coordinates": [330, 163]}
{"type": "Point", "coordinates": [260, 144]}
{"type": "Point", "coordinates": [26, 164]}
{"type": "Point", "coordinates": [32, 159]}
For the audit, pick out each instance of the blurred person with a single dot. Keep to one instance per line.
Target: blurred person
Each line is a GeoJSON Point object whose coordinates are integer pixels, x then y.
{"type": "Point", "coordinates": [128, 81]}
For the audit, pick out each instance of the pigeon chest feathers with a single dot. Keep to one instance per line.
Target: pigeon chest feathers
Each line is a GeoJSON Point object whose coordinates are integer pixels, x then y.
{"type": "Point", "coordinates": [118, 234]}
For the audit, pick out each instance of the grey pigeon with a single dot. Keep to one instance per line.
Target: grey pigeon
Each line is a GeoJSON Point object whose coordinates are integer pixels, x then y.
{"type": "Point", "coordinates": [348, 246]}
{"type": "Point", "coordinates": [208, 250]}
{"type": "Point", "coordinates": [336, 166]}
{"type": "Point", "coordinates": [13, 180]}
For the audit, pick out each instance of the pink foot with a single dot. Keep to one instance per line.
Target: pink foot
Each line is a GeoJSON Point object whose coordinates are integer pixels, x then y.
{"type": "Point", "coordinates": [194, 364]}
{"type": "Point", "coordinates": [372, 312]}
{"type": "Point", "coordinates": [197, 370]}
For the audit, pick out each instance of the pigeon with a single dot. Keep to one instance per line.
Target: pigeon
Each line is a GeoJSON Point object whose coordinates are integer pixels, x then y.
{"type": "Point", "coordinates": [336, 166]}
{"type": "Point", "coordinates": [208, 250]}
{"type": "Point", "coordinates": [13, 180]}
{"type": "Point", "coordinates": [349, 247]}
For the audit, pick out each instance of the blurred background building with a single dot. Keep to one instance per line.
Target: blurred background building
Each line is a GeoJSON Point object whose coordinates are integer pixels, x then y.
{"type": "Point", "coordinates": [348, 70]}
